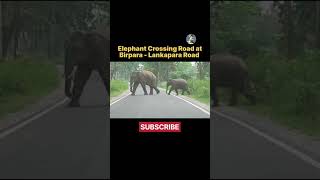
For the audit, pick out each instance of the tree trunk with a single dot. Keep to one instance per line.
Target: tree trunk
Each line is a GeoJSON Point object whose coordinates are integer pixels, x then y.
{"type": "Point", "coordinates": [289, 29]}
{"type": "Point", "coordinates": [49, 33]}
{"type": "Point", "coordinates": [317, 23]}
{"type": "Point", "coordinates": [1, 25]}
{"type": "Point", "coordinates": [17, 28]}
{"type": "Point", "coordinates": [12, 30]}
{"type": "Point", "coordinates": [15, 45]}
{"type": "Point", "coordinates": [158, 75]}
{"type": "Point", "coordinates": [49, 40]}
{"type": "Point", "coordinates": [200, 70]}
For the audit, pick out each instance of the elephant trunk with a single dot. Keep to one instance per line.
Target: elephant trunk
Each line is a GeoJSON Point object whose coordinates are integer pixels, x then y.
{"type": "Point", "coordinates": [131, 83]}
{"type": "Point", "coordinates": [68, 68]}
{"type": "Point", "coordinates": [167, 87]}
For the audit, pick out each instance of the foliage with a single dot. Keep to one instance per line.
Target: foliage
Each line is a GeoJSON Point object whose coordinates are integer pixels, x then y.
{"type": "Point", "coordinates": [163, 70]}
{"type": "Point", "coordinates": [117, 87]}
{"type": "Point", "coordinates": [235, 32]}
{"type": "Point", "coordinates": [42, 26]}
{"type": "Point", "coordinates": [22, 76]}
{"type": "Point", "coordinates": [289, 88]}
{"type": "Point", "coordinates": [281, 48]}
{"type": "Point", "coordinates": [24, 81]}
{"type": "Point", "coordinates": [184, 70]}
{"type": "Point", "coordinates": [200, 90]}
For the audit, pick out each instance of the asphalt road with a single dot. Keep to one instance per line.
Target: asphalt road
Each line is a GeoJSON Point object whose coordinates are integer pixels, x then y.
{"type": "Point", "coordinates": [64, 143]}
{"type": "Point", "coordinates": [238, 153]}
{"type": "Point", "coordinates": [154, 106]}
{"type": "Point", "coordinates": [74, 142]}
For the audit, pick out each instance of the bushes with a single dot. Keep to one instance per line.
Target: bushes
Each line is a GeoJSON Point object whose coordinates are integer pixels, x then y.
{"type": "Point", "coordinates": [117, 87]}
{"type": "Point", "coordinates": [291, 88]}
{"type": "Point", "coordinates": [25, 76]}
{"type": "Point", "coordinates": [23, 81]}
{"type": "Point", "coordinates": [286, 82]}
{"type": "Point", "coordinates": [200, 90]}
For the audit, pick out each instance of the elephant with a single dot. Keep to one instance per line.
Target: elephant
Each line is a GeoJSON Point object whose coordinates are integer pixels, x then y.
{"type": "Point", "coordinates": [231, 71]}
{"type": "Point", "coordinates": [144, 78]}
{"type": "Point", "coordinates": [84, 52]}
{"type": "Point", "coordinates": [177, 84]}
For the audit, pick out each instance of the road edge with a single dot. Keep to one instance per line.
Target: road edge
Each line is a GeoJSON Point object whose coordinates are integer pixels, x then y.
{"type": "Point", "coordinates": [191, 100]}
{"type": "Point", "coordinates": [298, 142]}
{"type": "Point", "coordinates": [119, 97]}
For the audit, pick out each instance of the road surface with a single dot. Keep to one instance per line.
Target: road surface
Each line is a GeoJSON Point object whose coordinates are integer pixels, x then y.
{"type": "Point", "coordinates": [74, 142]}
{"type": "Point", "coordinates": [237, 152]}
{"type": "Point", "coordinates": [154, 106]}
{"type": "Point", "coordinates": [64, 143]}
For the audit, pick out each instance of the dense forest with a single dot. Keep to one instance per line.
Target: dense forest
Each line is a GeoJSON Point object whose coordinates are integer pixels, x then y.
{"type": "Point", "coordinates": [280, 42]}
{"type": "Point", "coordinates": [196, 73]}
{"type": "Point", "coordinates": [40, 27]}
{"type": "Point", "coordinates": [163, 70]}
{"type": "Point", "coordinates": [32, 36]}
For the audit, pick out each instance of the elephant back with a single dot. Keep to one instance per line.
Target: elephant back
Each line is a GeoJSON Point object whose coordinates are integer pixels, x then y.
{"type": "Point", "coordinates": [180, 83]}
{"type": "Point", "coordinates": [98, 48]}
{"type": "Point", "coordinates": [87, 49]}
{"type": "Point", "coordinates": [228, 68]}
{"type": "Point", "coordinates": [150, 77]}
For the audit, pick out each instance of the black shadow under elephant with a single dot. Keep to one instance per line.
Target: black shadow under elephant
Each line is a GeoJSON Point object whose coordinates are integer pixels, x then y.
{"type": "Point", "coordinates": [84, 52]}
{"type": "Point", "coordinates": [231, 72]}
{"type": "Point", "coordinates": [176, 84]}
{"type": "Point", "coordinates": [144, 78]}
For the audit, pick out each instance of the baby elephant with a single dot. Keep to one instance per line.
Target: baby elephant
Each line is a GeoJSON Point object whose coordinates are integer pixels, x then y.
{"type": "Point", "coordinates": [178, 84]}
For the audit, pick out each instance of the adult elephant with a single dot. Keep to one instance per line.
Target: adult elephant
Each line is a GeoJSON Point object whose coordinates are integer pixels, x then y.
{"type": "Point", "coordinates": [177, 84]}
{"type": "Point", "coordinates": [231, 72]}
{"type": "Point", "coordinates": [84, 52]}
{"type": "Point", "coordinates": [144, 78]}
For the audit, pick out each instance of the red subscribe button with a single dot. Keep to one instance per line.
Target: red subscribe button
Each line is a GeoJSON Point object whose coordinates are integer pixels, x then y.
{"type": "Point", "coordinates": [159, 126]}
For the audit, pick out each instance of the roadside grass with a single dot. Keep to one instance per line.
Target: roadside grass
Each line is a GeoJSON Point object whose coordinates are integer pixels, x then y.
{"type": "Point", "coordinates": [163, 84]}
{"type": "Point", "coordinates": [288, 92]}
{"type": "Point", "coordinates": [117, 87]}
{"type": "Point", "coordinates": [305, 124]}
{"type": "Point", "coordinates": [24, 81]}
{"type": "Point", "coordinates": [200, 90]}
{"type": "Point", "coordinates": [281, 114]}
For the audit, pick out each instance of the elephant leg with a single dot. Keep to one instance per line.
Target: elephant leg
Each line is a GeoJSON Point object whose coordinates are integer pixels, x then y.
{"type": "Point", "coordinates": [135, 85]}
{"type": "Point", "coordinates": [81, 77]}
{"type": "Point", "coordinates": [188, 92]}
{"type": "Point", "coordinates": [170, 90]}
{"type": "Point", "coordinates": [103, 74]}
{"type": "Point", "coordinates": [151, 90]}
{"type": "Point", "coordinates": [250, 97]}
{"type": "Point", "coordinates": [177, 91]}
{"type": "Point", "coordinates": [214, 96]}
{"type": "Point", "coordinates": [183, 91]}
{"type": "Point", "coordinates": [157, 90]}
{"type": "Point", "coordinates": [234, 97]}
{"type": "Point", "coordinates": [144, 88]}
